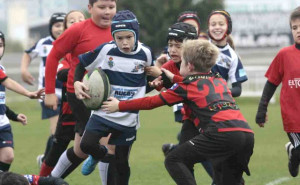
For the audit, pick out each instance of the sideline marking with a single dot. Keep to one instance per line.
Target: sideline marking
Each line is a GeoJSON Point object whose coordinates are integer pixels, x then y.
{"type": "Point", "coordinates": [279, 181]}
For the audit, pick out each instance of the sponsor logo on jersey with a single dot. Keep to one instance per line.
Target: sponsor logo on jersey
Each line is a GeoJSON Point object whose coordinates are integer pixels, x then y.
{"type": "Point", "coordinates": [2, 97]}
{"type": "Point", "coordinates": [111, 62]}
{"type": "Point", "coordinates": [7, 142]}
{"type": "Point", "coordinates": [295, 83]}
{"type": "Point", "coordinates": [124, 94]}
{"type": "Point", "coordinates": [174, 86]}
{"type": "Point", "coordinates": [138, 66]}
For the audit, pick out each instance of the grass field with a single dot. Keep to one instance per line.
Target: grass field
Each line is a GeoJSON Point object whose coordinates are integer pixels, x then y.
{"type": "Point", "coordinates": [268, 164]}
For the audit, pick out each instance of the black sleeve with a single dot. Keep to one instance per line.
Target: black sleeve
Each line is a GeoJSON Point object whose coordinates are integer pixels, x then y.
{"type": "Point", "coordinates": [79, 72]}
{"type": "Point", "coordinates": [11, 114]}
{"type": "Point", "coordinates": [166, 81]}
{"type": "Point", "coordinates": [51, 181]}
{"type": "Point", "coordinates": [267, 94]}
{"type": "Point", "coordinates": [62, 75]}
{"type": "Point", "coordinates": [236, 89]}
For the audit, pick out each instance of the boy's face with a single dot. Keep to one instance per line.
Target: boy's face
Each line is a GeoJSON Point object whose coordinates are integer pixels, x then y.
{"type": "Point", "coordinates": [1, 48]}
{"type": "Point", "coordinates": [217, 26]}
{"type": "Point", "coordinates": [295, 26]}
{"type": "Point", "coordinates": [125, 41]}
{"type": "Point", "coordinates": [193, 23]}
{"type": "Point", "coordinates": [174, 49]}
{"type": "Point", "coordinates": [102, 12]}
{"type": "Point", "coordinates": [74, 17]}
{"type": "Point", "coordinates": [57, 29]}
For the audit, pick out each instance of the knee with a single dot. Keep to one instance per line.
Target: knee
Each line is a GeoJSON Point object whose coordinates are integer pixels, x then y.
{"type": "Point", "coordinates": [7, 158]}
{"type": "Point", "coordinates": [85, 146]}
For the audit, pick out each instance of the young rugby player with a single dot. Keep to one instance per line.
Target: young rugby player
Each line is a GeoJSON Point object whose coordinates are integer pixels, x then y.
{"type": "Point", "coordinates": [123, 61]}
{"type": "Point", "coordinates": [284, 69]}
{"type": "Point", "coordinates": [225, 137]}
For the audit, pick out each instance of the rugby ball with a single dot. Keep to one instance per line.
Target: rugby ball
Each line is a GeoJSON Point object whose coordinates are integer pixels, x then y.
{"type": "Point", "coordinates": [99, 88]}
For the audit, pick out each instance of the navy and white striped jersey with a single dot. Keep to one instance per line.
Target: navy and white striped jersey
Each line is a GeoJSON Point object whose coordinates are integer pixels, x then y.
{"type": "Point", "coordinates": [229, 66]}
{"type": "Point", "coordinates": [126, 76]}
{"type": "Point", "coordinates": [4, 121]}
{"type": "Point", "coordinates": [42, 49]}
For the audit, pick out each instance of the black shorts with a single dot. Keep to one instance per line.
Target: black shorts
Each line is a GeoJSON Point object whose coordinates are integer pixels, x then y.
{"type": "Point", "coordinates": [6, 137]}
{"type": "Point", "coordinates": [64, 132]}
{"type": "Point", "coordinates": [229, 153]}
{"type": "Point", "coordinates": [119, 136]}
{"type": "Point", "coordinates": [80, 112]}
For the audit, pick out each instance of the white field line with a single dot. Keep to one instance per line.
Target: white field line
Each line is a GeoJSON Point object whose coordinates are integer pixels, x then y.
{"type": "Point", "coordinates": [279, 181]}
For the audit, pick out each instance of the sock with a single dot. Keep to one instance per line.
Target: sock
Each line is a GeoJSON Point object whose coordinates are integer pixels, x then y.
{"type": "Point", "coordinates": [107, 170]}
{"type": "Point", "coordinates": [45, 170]}
{"type": "Point", "coordinates": [4, 166]}
{"type": "Point", "coordinates": [67, 162]}
{"type": "Point", "coordinates": [58, 147]}
{"type": "Point", "coordinates": [48, 146]}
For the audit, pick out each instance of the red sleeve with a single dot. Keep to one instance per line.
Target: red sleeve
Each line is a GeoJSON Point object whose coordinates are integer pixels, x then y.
{"type": "Point", "coordinates": [275, 71]}
{"type": "Point", "coordinates": [177, 79]}
{"type": "Point", "coordinates": [2, 75]}
{"type": "Point", "coordinates": [51, 70]}
{"type": "Point", "coordinates": [145, 103]}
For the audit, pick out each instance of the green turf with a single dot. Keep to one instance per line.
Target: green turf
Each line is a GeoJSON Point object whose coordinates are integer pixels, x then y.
{"type": "Point", "coordinates": [268, 163]}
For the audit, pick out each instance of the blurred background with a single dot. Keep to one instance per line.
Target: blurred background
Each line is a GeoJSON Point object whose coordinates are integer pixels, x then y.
{"type": "Point", "coordinates": [260, 28]}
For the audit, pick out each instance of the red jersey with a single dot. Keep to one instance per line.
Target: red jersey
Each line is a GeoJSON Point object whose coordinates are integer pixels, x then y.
{"type": "Point", "coordinates": [208, 97]}
{"type": "Point", "coordinates": [285, 69]}
{"type": "Point", "coordinates": [175, 68]}
{"type": "Point", "coordinates": [78, 39]}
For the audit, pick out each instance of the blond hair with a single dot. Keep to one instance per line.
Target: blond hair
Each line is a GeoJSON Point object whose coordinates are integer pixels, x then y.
{"type": "Point", "coordinates": [200, 53]}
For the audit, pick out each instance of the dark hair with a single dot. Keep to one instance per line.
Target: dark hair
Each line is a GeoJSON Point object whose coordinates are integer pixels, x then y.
{"type": "Point", "coordinates": [91, 2]}
{"type": "Point", "coordinates": [294, 15]}
{"type": "Point", "coordinates": [12, 178]}
{"type": "Point", "coordinates": [2, 36]}
{"type": "Point", "coordinates": [66, 17]}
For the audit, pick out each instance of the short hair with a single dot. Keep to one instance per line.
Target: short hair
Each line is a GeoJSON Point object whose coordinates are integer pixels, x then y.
{"type": "Point", "coordinates": [294, 15]}
{"type": "Point", "coordinates": [200, 53]}
{"type": "Point", "coordinates": [66, 17]}
{"type": "Point", "coordinates": [12, 178]}
{"type": "Point", "coordinates": [91, 2]}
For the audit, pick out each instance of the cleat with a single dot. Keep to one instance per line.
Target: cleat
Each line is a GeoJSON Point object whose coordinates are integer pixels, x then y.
{"type": "Point", "coordinates": [39, 160]}
{"type": "Point", "coordinates": [293, 166]}
{"type": "Point", "coordinates": [167, 148]}
{"type": "Point", "coordinates": [89, 165]}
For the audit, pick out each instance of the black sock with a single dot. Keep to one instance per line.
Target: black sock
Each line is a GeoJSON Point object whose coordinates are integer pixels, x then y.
{"type": "Point", "coordinates": [58, 147]}
{"type": "Point", "coordinates": [74, 159]}
{"type": "Point", "coordinates": [48, 146]}
{"type": "Point", "coordinates": [4, 166]}
{"type": "Point", "coordinates": [112, 176]}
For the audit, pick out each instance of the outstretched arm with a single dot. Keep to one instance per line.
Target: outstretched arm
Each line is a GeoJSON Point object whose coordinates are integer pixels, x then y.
{"type": "Point", "coordinates": [16, 87]}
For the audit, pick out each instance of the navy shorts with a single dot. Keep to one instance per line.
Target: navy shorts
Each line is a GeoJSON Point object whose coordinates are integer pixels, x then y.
{"type": "Point", "coordinates": [6, 137]}
{"type": "Point", "coordinates": [47, 112]}
{"type": "Point", "coordinates": [121, 135]}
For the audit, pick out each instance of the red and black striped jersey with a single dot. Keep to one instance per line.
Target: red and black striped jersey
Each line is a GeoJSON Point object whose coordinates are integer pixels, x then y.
{"type": "Point", "coordinates": [207, 96]}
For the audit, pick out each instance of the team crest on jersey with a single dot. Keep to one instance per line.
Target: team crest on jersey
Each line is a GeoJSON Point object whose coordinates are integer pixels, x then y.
{"type": "Point", "coordinates": [137, 66]}
{"type": "Point", "coordinates": [111, 62]}
{"type": "Point", "coordinates": [45, 49]}
{"type": "Point", "coordinates": [224, 61]}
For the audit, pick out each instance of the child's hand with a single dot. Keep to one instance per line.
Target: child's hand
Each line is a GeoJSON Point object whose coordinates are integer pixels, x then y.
{"type": "Point", "coordinates": [80, 90]}
{"type": "Point", "coordinates": [22, 118]}
{"type": "Point", "coordinates": [152, 71]}
{"type": "Point", "coordinates": [27, 77]}
{"type": "Point", "coordinates": [156, 82]}
{"type": "Point", "coordinates": [163, 58]}
{"type": "Point", "coordinates": [168, 73]}
{"type": "Point", "coordinates": [111, 105]}
{"type": "Point", "coordinates": [39, 94]}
